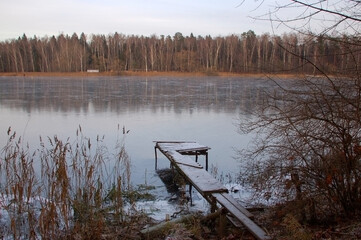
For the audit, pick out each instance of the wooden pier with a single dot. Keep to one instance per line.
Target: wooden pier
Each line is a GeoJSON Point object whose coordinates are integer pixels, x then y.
{"type": "Point", "coordinates": [178, 153]}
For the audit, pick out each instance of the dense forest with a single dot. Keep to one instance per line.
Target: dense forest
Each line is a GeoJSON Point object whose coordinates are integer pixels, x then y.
{"type": "Point", "coordinates": [244, 53]}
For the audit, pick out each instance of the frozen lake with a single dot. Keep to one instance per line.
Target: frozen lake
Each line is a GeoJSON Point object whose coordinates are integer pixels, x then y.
{"type": "Point", "coordinates": [202, 109]}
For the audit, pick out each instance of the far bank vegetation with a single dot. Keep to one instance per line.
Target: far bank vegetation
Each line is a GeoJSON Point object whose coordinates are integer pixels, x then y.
{"type": "Point", "coordinates": [242, 53]}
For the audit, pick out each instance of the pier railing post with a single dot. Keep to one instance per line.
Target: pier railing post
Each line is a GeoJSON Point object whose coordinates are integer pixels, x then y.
{"type": "Point", "coordinates": [207, 161]}
{"type": "Point", "coordinates": [156, 157]}
{"type": "Point", "coordinates": [190, 193]}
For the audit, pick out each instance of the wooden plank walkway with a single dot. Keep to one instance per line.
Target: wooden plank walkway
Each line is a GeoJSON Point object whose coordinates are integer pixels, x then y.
{"type": "Point", "coordinates": [183, 148]}
{"type": "Point", "coordinates": [212, 190]}
{"type": "Point", "coordinates": [225, 199]}
{"type": "Point", "coordinates": [241, 214]}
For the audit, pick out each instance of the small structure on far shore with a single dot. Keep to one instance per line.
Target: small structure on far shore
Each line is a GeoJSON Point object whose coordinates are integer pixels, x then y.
{"type": "Point", "coordinates": [92, 70]}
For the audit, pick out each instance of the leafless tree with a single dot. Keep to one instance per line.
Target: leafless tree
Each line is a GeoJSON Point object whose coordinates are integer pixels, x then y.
{"type": "Point", "coordinates": [308, 148]}
{"type": "Point", "coordinates": [245, 53]}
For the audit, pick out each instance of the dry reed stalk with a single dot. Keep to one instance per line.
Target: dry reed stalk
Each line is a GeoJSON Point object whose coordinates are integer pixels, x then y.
{"type": "Point", "coordinates": [71, 188]}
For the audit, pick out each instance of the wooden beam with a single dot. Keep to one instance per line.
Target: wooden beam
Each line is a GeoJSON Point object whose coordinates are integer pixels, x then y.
{"type": "Point", "coordinates": [225, 199]}
{"type": "Point", "coordinates": [256, 231]}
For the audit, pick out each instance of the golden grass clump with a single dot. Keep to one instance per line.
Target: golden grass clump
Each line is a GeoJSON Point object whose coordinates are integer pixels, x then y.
{"type": "Point", "coordinates": [63, 189]}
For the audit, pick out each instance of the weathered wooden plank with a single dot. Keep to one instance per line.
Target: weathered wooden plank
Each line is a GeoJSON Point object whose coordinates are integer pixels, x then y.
{"type": "Point", "coordinates": [256, 231]}
{"type": "Point", "coordinates": [181, 146]}
{"type": "Point", "coordinates": [198, 149]}
{"type": "Point", "coordinates": [202, 180]}
{"type": "Point", "coordinates": [234, 221]}
{"type": "Point", "coordinates": [225, 198]}
{"type": "Point", "coordinates": [174, 141]}
{"type": "Point", "coordinates": [184, 160]}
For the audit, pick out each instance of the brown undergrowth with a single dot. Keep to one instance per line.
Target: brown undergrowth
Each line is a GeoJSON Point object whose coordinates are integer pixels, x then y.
{"type": "Point", "coordinates": [284, 222]}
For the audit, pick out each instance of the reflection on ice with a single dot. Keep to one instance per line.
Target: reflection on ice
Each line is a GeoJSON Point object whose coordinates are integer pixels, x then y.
{"type": "Point", "coordinates": [121, 94]}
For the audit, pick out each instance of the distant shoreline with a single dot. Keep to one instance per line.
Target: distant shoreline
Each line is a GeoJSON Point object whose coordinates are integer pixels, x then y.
{"type": "Point", "coordinates": [140, 73]}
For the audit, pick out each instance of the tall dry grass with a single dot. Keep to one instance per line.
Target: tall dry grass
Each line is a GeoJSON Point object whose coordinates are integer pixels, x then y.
{"type": "Point", "coordinates": [64, 189]}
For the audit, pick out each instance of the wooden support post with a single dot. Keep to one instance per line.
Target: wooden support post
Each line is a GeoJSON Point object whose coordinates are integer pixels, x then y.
{"type": "Point", "coordinates": [213, 204]}
{"type": "Point", "coordinates": [196, 156]}
{"type": "Point", "coordinates": [206, 161]}
{"type": "Point", "coordinates": [156, 158]}
{"type": "Point", "coordinates": [222, 223]}
{"type": "Point", "coordinates": [212, 216]}
{"type": "Point", "coordinates": [190, 193]}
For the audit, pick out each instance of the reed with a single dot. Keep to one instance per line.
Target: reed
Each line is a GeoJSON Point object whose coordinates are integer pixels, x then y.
{"type": "Point", "coordinates": [63, 189]}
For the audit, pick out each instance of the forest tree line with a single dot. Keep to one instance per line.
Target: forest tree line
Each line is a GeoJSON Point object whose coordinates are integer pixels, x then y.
{"type": "Point", "coordinates": [244, 53]}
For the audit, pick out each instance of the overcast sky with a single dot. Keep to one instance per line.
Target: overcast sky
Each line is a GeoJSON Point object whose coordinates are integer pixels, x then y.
{"type": "Point", "coordinates": [139, 17]}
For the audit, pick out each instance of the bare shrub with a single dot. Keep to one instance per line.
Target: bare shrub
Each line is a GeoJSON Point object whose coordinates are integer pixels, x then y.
{"type": "Point", "coordinates": [308, 148]}
{"type": "Point", "coordinates": [309, 130]}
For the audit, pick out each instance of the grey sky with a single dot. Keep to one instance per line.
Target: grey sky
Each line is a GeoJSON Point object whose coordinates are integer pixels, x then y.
{"type": "Point", "coordinates": [139, 17]}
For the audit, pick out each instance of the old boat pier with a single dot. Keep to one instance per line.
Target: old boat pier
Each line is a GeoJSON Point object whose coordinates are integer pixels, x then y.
{"type": "Point", "coordinates": [178, 153]}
